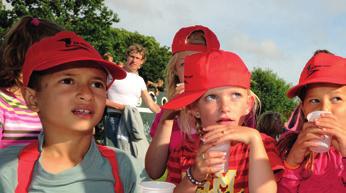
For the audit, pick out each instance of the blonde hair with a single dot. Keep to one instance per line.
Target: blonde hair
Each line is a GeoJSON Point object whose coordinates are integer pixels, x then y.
{"type": "Point", "coordinates": [171, 76]}
{"type": "Point", "coordinates": [188, 123]}
{"type": "Point", "coordinates": [137, 48]}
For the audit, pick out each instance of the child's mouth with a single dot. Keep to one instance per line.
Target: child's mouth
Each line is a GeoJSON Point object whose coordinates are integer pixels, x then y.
{"type": "Point", "coordinates": [84, 113]}
{"type": "Point", "coordinates": [225, 121]}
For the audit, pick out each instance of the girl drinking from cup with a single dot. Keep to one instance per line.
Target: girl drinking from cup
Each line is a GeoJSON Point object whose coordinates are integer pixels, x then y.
{"type": "Point", "coordinates": [216, 100]}
{"type": "Point", "coordinates": [312, 165]}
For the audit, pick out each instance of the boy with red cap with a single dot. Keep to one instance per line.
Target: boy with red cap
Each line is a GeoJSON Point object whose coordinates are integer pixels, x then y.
{"type": "Point", "coordinates": [321, 87]}
{"type": "Point", "coordinates": [165, 132]}
{"type": "Point", "coordinates": [65, 82]}
{"type": "Point", "coordinates": [216, 100]}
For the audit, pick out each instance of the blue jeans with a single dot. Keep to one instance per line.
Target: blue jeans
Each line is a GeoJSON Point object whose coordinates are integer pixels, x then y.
{"type": "Point", "coordinates": [111, 124]}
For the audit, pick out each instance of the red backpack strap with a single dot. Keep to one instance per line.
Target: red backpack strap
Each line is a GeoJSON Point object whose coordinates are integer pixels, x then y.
{"type": "Point", "coordinates": [26, 162]}
{"type": "Point", "coordinates": [111, 157]}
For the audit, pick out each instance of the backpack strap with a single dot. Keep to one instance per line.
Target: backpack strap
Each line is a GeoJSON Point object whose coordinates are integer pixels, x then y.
{"type": "Point", "coordinates": [26, 162]}
{"type": "Point", "coordinates": [30, 154]}
{"type": "Point", "coordinates": [110, 155]}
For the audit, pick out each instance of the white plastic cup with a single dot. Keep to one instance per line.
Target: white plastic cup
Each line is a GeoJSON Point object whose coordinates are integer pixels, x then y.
{"type": "Point", "coordinates": [324, 143]}
{"type": "Point", "coordinates": [156, 187]}
{"type": "Point", "coordinates": [224, 147]}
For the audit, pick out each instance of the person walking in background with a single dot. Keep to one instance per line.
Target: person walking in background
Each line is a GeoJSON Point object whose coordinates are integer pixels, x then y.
{"type": "Point", "coordinates": [108, 56]}
{"type": "Point", "coordinates": [271, 124]}
{"type": "Point", "coordinates": [321, 87]}
{"type": "Point", "coordinates": [18, 124]}
{"type": "Point", "coordinates": [165, 132]}
{"type": "Point", "coordinates": [217, 99]}
{"type": "Point", "coordinates": [68, 91]}
{"type": "Point", "coordinates": [123, 124]}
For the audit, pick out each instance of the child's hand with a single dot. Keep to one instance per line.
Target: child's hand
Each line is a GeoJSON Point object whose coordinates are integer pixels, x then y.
{"type": "Point", "coordinates": [207, 162]}
{"type": "Point", "coordinates": [331, 126]}
{"type": "Point", "coordinates": [304, 141]}
{"type": "Point", "coordinates": [179, 89]}
{"type": "Point", "coordinates": [169, 114]}
{"type": "Point", "coordinates": [223, 133]}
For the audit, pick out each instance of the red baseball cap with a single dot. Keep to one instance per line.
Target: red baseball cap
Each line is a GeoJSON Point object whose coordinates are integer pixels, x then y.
{"type": "Point", "coordinates": [321, 68]}
{"type": "Point", "coordinates": [207, 70]}
{"type": "Point", "coordinates": [180, 42]}
{"type": "Point", "coordinates": [63, 48]}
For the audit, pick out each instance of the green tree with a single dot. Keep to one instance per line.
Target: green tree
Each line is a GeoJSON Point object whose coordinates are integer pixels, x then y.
{"type": "Point", "coordinates": [272, 92]}
{"type": "Point", "coordinates": [88, 18]}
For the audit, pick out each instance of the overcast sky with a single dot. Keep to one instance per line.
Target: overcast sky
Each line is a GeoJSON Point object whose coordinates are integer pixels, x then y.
{"type": "Point", "coordinates": [280, 35]}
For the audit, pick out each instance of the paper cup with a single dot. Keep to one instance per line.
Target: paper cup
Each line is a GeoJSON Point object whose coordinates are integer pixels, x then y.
{"type": "Point", "coordinates": [224, 147]}
{"type": "Point", "coordinates": [324, 143]}
{"type": "Point", "coordinates": [156, 187]}
{"type": "Point", "coordinates": [312, 116]}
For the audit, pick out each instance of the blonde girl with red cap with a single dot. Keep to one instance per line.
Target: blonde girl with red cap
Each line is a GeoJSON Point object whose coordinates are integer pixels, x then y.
{"type": "Point", "coordinates": [165, 131]}
{"type": "Point", "coordinates": [321, 87]}
{"type": "Point", "coordinates": [217, 98]}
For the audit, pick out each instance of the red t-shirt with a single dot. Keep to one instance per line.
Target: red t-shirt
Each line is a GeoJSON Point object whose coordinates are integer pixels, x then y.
{"type": "Point", "coordinates": [235, 180]}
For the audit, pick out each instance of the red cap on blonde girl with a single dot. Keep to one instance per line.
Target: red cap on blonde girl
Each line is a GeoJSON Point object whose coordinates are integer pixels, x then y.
{"type": "Point", "coordinates": [204, 71]}
{"type": "Point", "coordinates": [180, 40]}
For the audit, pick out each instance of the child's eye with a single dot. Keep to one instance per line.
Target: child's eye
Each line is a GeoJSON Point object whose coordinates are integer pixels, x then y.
{"type": "Point", "coordinates": [336, 99]}
{"type": "Point", "coordinates": [236, 96]}
{"type": "Point", "coordinates": [99, 85]}
{"type": "Point", "coordinates": [210, 97]}
{"type": "Point", "coordinates": [67, 81]}
{"type": "Point", "coordinates": [314, 101]}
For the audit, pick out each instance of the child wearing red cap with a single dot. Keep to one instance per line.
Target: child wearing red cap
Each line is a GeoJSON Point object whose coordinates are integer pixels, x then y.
{"type": "Point", "coordinates": [18, 124]}
{"type": "Point", "coordinates": [65, 82]}
{"type": "Point", "coordinates": [217, 98]}
{"type": "Point", "coordinates": [321, 87]}
{"type": "Point", "coordinates": [165, 131]}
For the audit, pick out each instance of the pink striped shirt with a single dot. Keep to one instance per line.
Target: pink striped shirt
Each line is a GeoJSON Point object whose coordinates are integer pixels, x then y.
{"type": "Point", "coordinates": [18, 124]}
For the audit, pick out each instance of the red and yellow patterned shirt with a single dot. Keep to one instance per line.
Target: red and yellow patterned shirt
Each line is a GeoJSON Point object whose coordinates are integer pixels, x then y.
{"type": "Point", "coordinates": [233, 181]}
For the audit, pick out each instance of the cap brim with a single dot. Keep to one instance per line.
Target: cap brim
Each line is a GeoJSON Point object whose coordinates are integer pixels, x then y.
{"type": "Point", "coordinates": [115, 71]}
{"type": "Point", "coordinates": [295, 91]}
{"type": "Point", "coordinates": [292, 92]}
{"type": "Point", "coordinates": [183, 100]}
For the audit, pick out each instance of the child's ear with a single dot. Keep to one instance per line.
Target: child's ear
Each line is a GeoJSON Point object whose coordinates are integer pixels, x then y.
{"type": "Point", "coordinates": [30, 97]}
{"type": "Point", "coordinates": [250, 104]}
{"type": "Point", "coordinates": [194, 112]}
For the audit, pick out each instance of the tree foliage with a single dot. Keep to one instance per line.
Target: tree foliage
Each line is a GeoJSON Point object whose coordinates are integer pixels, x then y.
{"type": "Point", "coordinates": [272, 92]}
{"type": "Point", "coordinates": [93, 21]}
{"type": "Point", "coordinates": [89, 18]}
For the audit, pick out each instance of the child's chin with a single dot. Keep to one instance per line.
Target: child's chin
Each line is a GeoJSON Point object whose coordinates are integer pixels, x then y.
{"type": "Point", "coordinates": [83, 127]}
{"type": "Point", "coordinates": [227, 123]}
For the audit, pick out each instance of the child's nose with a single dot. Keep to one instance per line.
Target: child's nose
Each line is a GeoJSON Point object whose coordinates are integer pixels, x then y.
{"type": "Point", "coordinates": [225, 106]}
{"type": "Point", "coordinates": [325, 106]}
{"type": "Point", "coordinates": [84, 93]}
